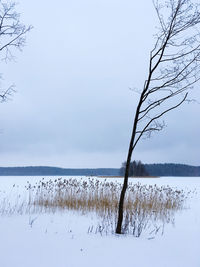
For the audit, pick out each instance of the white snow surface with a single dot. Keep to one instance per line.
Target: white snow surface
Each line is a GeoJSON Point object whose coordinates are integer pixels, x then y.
{"type": "Point", "coordinates": [62, 239]}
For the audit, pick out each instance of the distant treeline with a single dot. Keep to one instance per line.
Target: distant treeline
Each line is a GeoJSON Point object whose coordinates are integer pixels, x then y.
{"type": "Point", "coordinates": [54, 171]}
{"type": "Point", "coordinates": [170, 169]}
{"type": "Point", "coordinates": [167, 169]}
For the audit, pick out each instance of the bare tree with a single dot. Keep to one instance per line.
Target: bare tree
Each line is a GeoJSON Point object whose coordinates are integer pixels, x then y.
{"type": "Point", "coordinates": [173, 70]}
{"type": "Point", "coordinates": [12, 37]}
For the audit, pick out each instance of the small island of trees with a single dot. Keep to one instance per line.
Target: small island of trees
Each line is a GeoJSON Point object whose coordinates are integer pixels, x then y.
{"type": "Point", "coordinates": [137, 168]}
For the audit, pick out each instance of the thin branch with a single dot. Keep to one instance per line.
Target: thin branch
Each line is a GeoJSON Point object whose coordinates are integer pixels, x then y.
{"type": "Point", "coordinates": [157, 117]}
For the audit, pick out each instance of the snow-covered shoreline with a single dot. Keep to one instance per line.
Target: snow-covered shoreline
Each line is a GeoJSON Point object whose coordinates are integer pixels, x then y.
{"type": "Point", "coordinates": [62, 239]}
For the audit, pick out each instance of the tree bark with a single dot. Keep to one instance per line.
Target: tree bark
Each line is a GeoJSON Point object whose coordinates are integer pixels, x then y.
{"type": "Point", "coordinates": [122, 196]}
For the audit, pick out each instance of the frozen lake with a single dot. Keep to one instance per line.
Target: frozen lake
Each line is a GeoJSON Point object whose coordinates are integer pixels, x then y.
{"type": "Point", "coordinates": [62, 239]}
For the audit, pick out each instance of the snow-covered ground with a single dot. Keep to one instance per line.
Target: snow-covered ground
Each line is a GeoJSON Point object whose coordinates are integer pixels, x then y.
{"type": "Point", "coordinates": [62, 239]}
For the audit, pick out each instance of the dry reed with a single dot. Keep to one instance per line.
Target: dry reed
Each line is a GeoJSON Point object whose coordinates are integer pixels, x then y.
{"type": "Point", "coordinates": [144, 205]}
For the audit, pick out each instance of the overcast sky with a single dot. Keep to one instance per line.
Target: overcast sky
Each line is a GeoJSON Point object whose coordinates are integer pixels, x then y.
{"type": "Point", "coordinates": [73, 107]}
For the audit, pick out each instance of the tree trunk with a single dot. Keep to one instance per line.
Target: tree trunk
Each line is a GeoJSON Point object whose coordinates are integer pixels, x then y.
{"type": "Point", "coordinates": [126, 175]}
{"type": "Point", "coordinates": [122, 196]}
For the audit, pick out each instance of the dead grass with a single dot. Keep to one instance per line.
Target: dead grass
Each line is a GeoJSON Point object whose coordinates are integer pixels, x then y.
{"type": "Point", "coordinates": [144, 205]}
{"type": "Point", "coordinates": [146, 208]}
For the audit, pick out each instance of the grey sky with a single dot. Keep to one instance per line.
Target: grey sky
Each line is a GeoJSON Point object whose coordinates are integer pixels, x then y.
{"type": "Point", "coordinates": [73, 106]}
